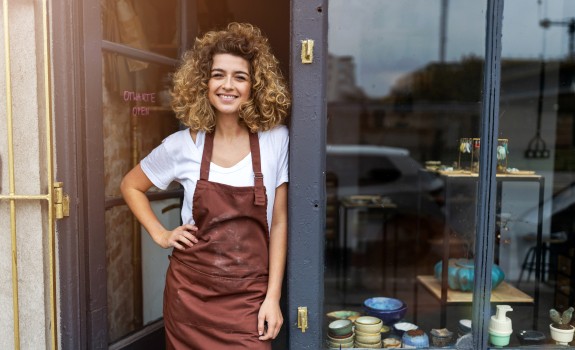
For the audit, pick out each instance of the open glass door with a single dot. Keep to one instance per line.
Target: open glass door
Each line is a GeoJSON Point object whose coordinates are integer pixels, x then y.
{"type": "Point", "coordinates": [142, 40]}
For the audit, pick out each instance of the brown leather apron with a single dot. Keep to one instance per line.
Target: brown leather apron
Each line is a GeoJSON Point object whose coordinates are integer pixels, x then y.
{"type": "Point", "coordinates": [214, 289]}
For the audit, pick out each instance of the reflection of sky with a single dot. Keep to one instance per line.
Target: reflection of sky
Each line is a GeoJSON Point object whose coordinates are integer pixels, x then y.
{"type": "Point", "coordinates": [389, 38]}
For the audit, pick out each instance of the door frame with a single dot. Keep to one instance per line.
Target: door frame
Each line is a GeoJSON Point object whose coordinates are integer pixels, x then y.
{"type": "Point", "coordinates": [68, 20]}
{"type": "Point", "coordinates": [307, 173]}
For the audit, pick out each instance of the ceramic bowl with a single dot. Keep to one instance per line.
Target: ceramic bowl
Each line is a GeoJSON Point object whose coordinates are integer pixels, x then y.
{"type": "Point", "coordinates": [340, 327]}
{"type": "Point", "coordinates": [441, 337]}
{"type": "Point", "coordinates": [368, 324]}
{"type": "Point", "coordinates": [385, 331]}
{"type": "Point", "coordinates": [391, 343]}
{"type": "Point", "coordinates": [340, 340]}
{"type": "Point", "coordinates": [415, 338]}
{"type": "Point", "coordinates": [389, 310]}
{"type": "Point", "coordinates": [332, 345]}
{"type": "Point", "coordinates": [367, 346]}
{"type": "Point", "coordinates": [463, 327]}
{"type": "Point", "coordinates": [402, 327]}
{"type": "Point", "coordinates": [367, 338]}
{"type": "Point", "coordinates": [531, 337]}
{"type": "Point", "coordinates": [344, 337]}
{"type": "Point", "coordinates": [343, 314]}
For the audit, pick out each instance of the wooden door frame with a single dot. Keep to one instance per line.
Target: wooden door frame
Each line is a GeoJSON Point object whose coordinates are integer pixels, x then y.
{"type": "Point", "coordinates": [76, 44]}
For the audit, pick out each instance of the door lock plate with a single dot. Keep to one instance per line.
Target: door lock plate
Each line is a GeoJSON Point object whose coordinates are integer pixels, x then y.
{"type": "Point", "coordinates": [302, 318]}
{"type": "Point", "coordinates": [307, 51]}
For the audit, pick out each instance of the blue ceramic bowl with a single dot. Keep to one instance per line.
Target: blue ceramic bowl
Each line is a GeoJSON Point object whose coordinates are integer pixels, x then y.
{"type": "Point", "coordinates": [389, 310]}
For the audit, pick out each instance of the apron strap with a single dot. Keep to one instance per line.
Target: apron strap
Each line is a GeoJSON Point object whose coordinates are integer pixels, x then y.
{"type": "Point", "coordinates": [259, 189]}
{"type": "Point", "coordinates": [207, 156]}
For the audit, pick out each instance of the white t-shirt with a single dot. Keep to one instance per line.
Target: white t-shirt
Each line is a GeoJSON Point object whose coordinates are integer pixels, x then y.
{"type": "Point", "coordinates": [178, 158]}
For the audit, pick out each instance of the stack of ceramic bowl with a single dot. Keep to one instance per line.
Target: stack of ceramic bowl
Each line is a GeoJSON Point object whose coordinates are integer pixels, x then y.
{"type": "Point", "coordinates": [463, 327]}
{"type": "Point", "coordinates": [389, 310]}
{"type": "Point", "coordinates": [340, 334]}
{"type": "Point", "coordinates": [368, 332]}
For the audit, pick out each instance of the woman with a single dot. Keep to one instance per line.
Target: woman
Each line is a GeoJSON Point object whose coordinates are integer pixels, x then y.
{"type": "Point", "coordinates": [224, 281]}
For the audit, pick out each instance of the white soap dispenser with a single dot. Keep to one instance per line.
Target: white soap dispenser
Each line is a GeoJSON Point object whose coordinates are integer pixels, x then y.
{"type": "Point", "coordinates": [500, 326]}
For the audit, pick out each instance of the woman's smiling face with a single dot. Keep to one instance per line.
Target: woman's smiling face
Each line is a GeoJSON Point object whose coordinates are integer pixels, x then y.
{"type": "Point", "coordinates": [229, 85]}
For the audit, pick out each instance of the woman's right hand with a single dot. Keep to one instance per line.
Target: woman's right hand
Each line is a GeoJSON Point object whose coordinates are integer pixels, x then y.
{"type": "Point", "coordinates": [180, 238]}
{"type": "Point", "coordinates": [134, 186]}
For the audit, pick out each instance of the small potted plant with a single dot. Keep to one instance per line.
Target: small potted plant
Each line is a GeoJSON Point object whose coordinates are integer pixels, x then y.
{"type": "Point", "coordinates": [561, 329]}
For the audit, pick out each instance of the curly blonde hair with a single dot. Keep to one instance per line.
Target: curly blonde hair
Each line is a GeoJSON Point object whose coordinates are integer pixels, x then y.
{"type": "Point", "coordinates": [269, 100]}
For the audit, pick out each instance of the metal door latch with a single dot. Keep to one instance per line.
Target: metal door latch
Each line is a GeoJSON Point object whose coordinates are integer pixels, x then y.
{"type": "Point", "coordinates": [302, 318]}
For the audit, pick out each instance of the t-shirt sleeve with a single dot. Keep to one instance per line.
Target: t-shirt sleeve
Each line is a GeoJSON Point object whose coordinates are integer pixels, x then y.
{"type": "Point", "coordinates": [283, 156]}
{"type": "Point", "coordinates": [159, 166]}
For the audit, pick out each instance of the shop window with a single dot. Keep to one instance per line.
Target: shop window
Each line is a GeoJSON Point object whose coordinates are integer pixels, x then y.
{"type": "Point", "coordinates": [404, 103]}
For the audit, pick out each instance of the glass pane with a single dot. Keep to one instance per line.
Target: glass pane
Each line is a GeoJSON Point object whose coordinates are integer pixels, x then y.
{"type": "Point", "coordinates": [143, 24]}
{"type": "Point", "coordinates": [137, 117]}
{"type": "Point", "coordinates": [155, 260]}
{"type": "Point", "coordinates": [404, 87]}
{"type": "Point", "coordinates": [535, 245]}
{"type": "Point", "coordinates": [122, 309]}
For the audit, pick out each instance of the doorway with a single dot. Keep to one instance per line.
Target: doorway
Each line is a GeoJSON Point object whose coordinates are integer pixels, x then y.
{"type": "Point", "coordinates": [128, 114]}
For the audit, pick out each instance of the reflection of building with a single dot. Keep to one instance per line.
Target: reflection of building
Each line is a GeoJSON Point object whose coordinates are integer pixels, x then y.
{"type": "Point", "coordinates": [436, 104]}
{"type": "Point", "coordinates": [341, 84]}
{"type": "Point", "coordinates": [430, 108]}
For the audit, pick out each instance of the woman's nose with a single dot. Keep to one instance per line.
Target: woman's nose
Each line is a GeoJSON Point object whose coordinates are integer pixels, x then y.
{"type": "Point", "coordinates": [228, 83]}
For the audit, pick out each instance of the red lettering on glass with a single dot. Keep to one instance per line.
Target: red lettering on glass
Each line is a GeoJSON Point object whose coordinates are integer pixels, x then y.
{"type": "Point", "coordinates": [140, 111]}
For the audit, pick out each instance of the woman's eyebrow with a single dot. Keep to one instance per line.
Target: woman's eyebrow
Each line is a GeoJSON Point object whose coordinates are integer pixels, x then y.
{"type": "Point", "coordinates": [235, 72]}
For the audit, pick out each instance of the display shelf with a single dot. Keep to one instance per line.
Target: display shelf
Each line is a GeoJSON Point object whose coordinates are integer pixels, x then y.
{"type": "Point", "coordinates": [451, 180]}
{"type": "Point", "coordinates": [504, 293]}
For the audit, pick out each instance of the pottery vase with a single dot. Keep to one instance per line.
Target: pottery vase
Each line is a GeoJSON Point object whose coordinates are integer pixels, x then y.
{"type": "Point", "coordinates": [461, 274]}
{"type": "Point", "coordinates": [562, 336]}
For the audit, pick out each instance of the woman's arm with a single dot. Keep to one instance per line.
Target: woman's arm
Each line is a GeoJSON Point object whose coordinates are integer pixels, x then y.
{"type": "Point", "coordinates": [270, 310]}
{"type": "Point", "coordinates": [134, 186]}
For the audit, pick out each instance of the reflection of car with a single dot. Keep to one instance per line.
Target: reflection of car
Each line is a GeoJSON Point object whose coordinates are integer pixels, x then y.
{"type": "Point", "coordinates": [381, 170]}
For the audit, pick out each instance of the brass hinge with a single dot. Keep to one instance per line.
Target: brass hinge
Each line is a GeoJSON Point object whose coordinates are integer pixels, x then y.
{"type": "Point", "coordinates": [61, 201]}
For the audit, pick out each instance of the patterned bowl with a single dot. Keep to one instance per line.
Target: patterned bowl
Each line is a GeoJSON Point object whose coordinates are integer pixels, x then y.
{"type": "Point", "coordinates": [389, 310]}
